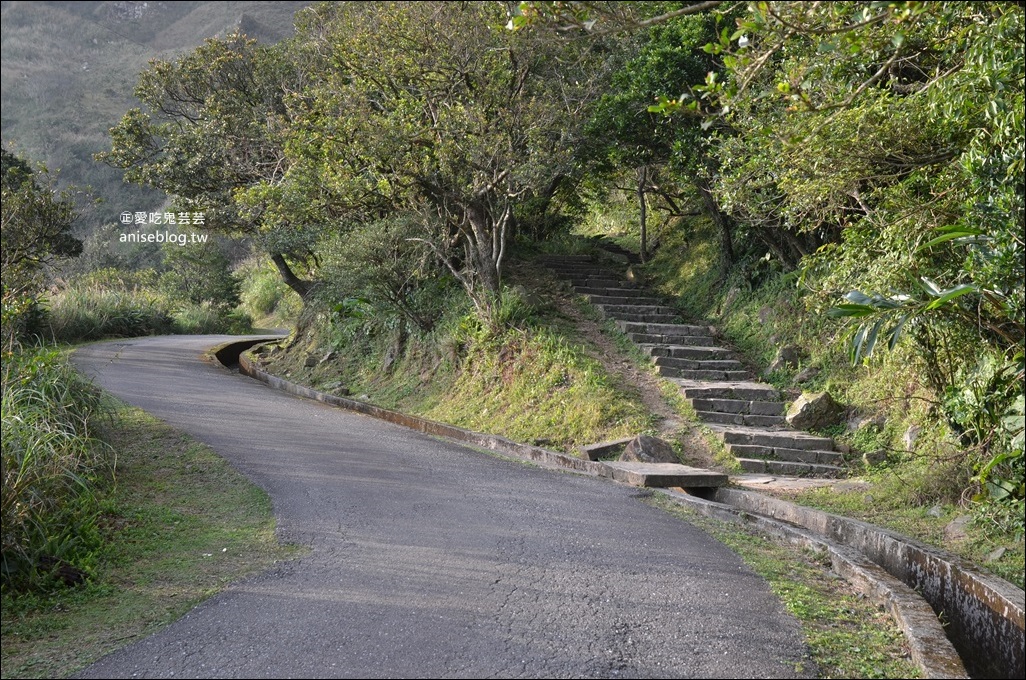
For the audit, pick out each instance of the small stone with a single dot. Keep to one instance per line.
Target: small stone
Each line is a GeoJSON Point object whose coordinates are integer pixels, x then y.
{"type": "Point", "coordinates": [728, 300]}
{"type": "Point", "coordinates": [310, 361]}
{"type": "Point", "coordinates": [956, 530]}
{"type": "Point", "coordinates": [935, 511]}
{"type": "Point", "coordinates": [874, 458]}
{"type": "Point", "coordinates": [787, 357]}
{"type": "Point", "coordinates": [328, 357]}
{"type": "Point", "coordinates": [807, 374]}
{"type": "Point", "coordinates": [996, 555]}
{"type": "Point", "coordinates": [859, 421]}
{"type": "Point", "coordinates": [910, 436]}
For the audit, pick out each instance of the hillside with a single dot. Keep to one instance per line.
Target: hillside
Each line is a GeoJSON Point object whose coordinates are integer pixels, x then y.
{"type": "Point", "coordinates": [69, 69]}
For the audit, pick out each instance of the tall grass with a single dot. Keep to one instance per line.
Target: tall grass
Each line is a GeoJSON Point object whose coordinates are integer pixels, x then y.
{"type": "Point", "coordinates": [84, 313]}
{"type": "Point", "coordinates": [111, 303]}
{"type": "Point", "coordinates": [52, 469]}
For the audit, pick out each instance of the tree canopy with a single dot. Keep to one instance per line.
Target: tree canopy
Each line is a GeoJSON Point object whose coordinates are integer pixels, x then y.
{"type": "Point", "coordinates": [35, 226]}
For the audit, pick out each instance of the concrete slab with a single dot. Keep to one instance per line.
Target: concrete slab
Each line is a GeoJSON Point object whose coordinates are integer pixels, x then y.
{"type": "Point", "coordinates": [664, 475]}
{"type": "Point", "coordinates": [780, 483]}
{"type": "Point", "coordinates": [597, 451]}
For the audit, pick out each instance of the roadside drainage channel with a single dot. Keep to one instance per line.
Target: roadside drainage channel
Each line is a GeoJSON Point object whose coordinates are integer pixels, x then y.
{"type": "Point", "coordinates": [228, 354]}
{"type": "Point", "coordinates": [984, 614]}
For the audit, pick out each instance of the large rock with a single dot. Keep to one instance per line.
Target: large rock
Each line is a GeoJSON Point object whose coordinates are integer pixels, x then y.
{"type": "Point", "coordinates": [646, 449]}
{"type": "Point", "coordinates": [788, 356]}
{"type": "Point", "coordinates": [814, 411]}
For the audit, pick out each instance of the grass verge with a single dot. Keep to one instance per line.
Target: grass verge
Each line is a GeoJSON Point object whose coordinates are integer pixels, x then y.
{"type": "Point", "coordinates": [848, 636]}
{"type": "Point", "coordinates": [179, 526]}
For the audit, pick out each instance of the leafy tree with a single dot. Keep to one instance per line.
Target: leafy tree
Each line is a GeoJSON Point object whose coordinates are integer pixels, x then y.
{"type": "Point", "coordinates": [199, 275]}
{"type": "Point", "coordinates": [396, 276]}
{"type": "Point", "coordinates": [432, 111]}
{"type": "Point", "coordinates": [210, 130]}
{"type": "Point", "coordinates": [894, 134]}
{"type": "Point", "coordinates": [631, 132]}
{"type": "Point", "coordinates": [36, 226]}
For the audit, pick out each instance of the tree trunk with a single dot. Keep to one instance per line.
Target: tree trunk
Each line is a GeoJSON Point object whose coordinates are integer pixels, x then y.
{"type": "Point", "coordinates": [720, 219]}
{"type": "Point", "coordinates": [643, 211]}
{"type": "Point", "coordinates": [301, 286]}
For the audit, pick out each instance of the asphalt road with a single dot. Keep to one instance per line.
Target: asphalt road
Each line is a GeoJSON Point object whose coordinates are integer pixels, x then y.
{"type": "Point", "coordinates": [429, 559]}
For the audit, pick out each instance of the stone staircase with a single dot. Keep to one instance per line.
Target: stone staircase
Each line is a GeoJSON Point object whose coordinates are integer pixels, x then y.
{"type": "Point", "coordinates": [747, 415]}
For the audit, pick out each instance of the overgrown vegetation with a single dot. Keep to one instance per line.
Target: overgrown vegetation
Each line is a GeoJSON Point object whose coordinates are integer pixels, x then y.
{"type": "Point", "coordinates": [817, 170]}
{"type": "Point", "coordinates": [54, 472]}
{"type": "Point", "coordinates": [531, 380]}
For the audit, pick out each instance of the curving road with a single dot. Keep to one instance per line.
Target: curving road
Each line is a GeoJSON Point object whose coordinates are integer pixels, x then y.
{"type": "Point", "coordinates": [433, 560]}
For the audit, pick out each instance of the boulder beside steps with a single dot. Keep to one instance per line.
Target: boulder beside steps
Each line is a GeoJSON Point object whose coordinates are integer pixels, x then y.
{"type": "Point", "coordinates": [748, 416]}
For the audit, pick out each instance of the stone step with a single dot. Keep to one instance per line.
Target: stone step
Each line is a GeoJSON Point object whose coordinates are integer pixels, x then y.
{"type": "Point", "coordinates": [721, 418]}
{"type": "Point", "coordinates": [785, 454]}
{"type": "Point", "coordinates": [619, 292]}
{"type": "Point", "coordinates": [642, 318]}
{"type": "Point", "coordinates": [549, 259]}
{"type": "Point", "coordinates": [648, 340]}
{"type": "Point", "coordinates": [747, 415]}
{"type": "Point", "coordinates": [777, 467]}
{"type": "Point", "coordinates": [626, 300]}
{"type": "Point", "coordinates": [583, 273]}
{"type": "Point", "coordinates": [702, 364]}
{"type": "Point", "coordinates": [669, 372]}
{"type": "Point", "coordinates": [665, 354]}
{"type": "Point", "coordinates": [665, 328]}
{"type": "Point", "coordinates": [635, 308]}
{"type": "Point", "coordinates": [761, 408]}
{"type": "Point", "coordinates": [784, 439]}
{"type": "Point", "coordinates": [599, 282]}
{"type": "Point", "coordinates": [663, 475]}
{"type": "Point", "coordinates": [745, 390]}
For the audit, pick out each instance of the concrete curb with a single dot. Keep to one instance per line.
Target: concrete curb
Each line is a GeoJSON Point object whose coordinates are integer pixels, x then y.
{"type": "Point", "coordinates": [930, 648]}
{"type": "Point", "coordinates": [483, 441]}
{"type": "Point", "coordinates": [985, 614]}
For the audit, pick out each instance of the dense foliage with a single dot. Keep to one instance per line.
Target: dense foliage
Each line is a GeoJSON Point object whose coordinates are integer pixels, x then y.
{"type": "Point", "coordinates": [393, 153]}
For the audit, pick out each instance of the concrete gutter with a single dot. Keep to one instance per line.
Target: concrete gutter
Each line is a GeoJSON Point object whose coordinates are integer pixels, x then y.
{"type": "Point", "coordinates": [984, 614]}
{"type": "Point", "coordinates": [930, 648]}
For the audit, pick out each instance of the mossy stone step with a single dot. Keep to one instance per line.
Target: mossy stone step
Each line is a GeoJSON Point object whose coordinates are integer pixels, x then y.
{"type": "Point", "coordinates": [740, 419]}
{"type": "Point", "coordinates": [778, 467]}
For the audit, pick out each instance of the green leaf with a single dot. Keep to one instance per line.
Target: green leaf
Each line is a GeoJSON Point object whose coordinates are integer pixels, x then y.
{"type": "Point", "coordinates": [850, 310]}
{"type": "Point", "coordinates": [948, 295]}
{"type": "Point", "coordinates": [950, 233]}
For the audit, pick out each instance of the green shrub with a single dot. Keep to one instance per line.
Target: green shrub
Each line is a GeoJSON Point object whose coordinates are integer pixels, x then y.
{"type": "Point", "coordinates": [52, 468]}
{"type": "Point", "coordinates": [265, 296]}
